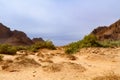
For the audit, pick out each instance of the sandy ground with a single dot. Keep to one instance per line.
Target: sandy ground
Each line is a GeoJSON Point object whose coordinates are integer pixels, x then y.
{"type": "Point", "coordinates": [56, 65]}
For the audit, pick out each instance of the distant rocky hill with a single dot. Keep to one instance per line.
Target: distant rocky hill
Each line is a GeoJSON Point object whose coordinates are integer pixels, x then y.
{"type": "Point", "coordinates": [13, 37]}
{"type": "Point", "coordinates": [35, 40]}
{"type": "Point", "coordinates": [111, 32]}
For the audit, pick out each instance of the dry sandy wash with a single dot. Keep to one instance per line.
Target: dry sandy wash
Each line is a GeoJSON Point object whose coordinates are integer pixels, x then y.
{"type": "Point", "coordinates": [56, 65]}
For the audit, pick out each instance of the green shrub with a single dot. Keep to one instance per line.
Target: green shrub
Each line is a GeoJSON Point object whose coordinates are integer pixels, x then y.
{"type": "Point", "coordinates": [40, 45]}
{"type": "Point", "coordinates": [7, 49]}
{"type": "Point", "coordinates": [90, 41]}
{"type": "Point", "coordinates": [49, 45]}
{"type": "Point", "coordinates": [11, 50]}
{"type": "Point", "coordinates": [33, 48]}
{"type": "Point", "coordinates": [21, 47]}
{"type": "Point", "coordinates": [108, 43]}
{"type": "Point", "coordinates": [72, 48]}
{"type": "Point", "coordinates": [87, 41]}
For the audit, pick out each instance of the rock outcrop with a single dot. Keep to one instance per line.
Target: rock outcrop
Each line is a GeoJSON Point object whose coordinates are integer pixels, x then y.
{"type": "Point", "coordinates": [111, 32]}
{"type": "Point", "coordinates": [35, 40]}
{"type": "Point", "coordinates": [13, 37]}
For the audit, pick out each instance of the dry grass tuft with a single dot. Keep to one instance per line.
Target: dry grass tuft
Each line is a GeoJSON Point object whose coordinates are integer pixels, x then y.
{"type": "Point", "coordinates": [71, 57]}
{"type": "Point", "coordinates": [24, 61]}
{"type": "Point", "coordinates": [66, 66]}
{"type": "Point", "coordinates": [52, 68]}
{"type": "Point", "coordinates": [18, 63]}
{"type": "Point", "coordinates": [74, 66]}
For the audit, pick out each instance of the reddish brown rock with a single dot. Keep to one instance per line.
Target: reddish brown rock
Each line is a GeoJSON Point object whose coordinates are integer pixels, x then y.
{"type": "Point", "coordinates": [4, 31]}
{"type": "Point", "coordinates": [111, 32]}
{"type": "Point", "coordinates": [35, 40]}
{"type": "Point", "coordinates": [19, 38]}
{"type": "Point", "coordinates": [13, 37]}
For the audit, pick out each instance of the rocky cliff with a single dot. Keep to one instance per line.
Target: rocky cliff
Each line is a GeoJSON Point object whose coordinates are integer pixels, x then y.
{"type": "Point", "coordinates": [13, 37]}
{"type": "Point", "coordinates": [36, 40]}
{"type": "Point", "coordinates": [111, 32]}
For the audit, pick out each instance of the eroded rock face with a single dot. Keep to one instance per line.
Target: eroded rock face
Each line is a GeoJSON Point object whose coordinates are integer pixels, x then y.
{"type": "Point", "coordinates": [4, 31]}
{"type": "Point", "coordinates": [35, 40]}
{"type": "Point", "coordinates": [111, 32]}
{"type": "Point", "coordinates": [13, 37]}
{"type": "Point", "coordinates": [19, 38]}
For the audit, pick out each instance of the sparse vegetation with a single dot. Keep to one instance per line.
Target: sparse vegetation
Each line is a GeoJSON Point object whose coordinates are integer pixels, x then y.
{"type": "Point", "coordinates": [90, 41]}
{"type": "Point", "coordinates": [7, 49]}
{"type": "Point", "coordinates": [108, 43]}
{"type": "Point", "coordinates": [11, 50]}
{"type": "Point", "coordinates": [21, 47]}
{"type": "Point", "coordinates": [39, 45]}
{"type": "Point", "coordinates": [53, 67]}
{"type": "Point", "coordinates": [26, 62]}
{"type": "Point", "coordinates": [87, 41]}
{"type": "Point", "coordinates": [72, 48]}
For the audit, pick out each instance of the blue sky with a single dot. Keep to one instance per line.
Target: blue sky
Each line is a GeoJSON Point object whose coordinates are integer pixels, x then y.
{"type": "Point", "coordinates": [62, 21]}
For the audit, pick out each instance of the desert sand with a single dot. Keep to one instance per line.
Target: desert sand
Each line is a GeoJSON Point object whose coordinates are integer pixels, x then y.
{"type": "Point", "coordinates": [56, 65]}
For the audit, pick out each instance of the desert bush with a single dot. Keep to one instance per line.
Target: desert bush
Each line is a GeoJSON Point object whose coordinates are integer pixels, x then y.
{"type": "Point", "coordinates": [11, 50]}
{"type": "Point", "coordinates": [72, 48]}
{"type": "Point", "coordinates": [109, 43]}
{"type": "Point", "coordinates": [90, 41]}
{"type": "Point", "coordinates": [33, 48]}
{"type": "Point", "coordinates": [110, 76]}
{"type": "Point", "coordinates": [40, 45]}
{"type": "Point", "coordinates": [49, 45]}
{"type": "Point", "coordinates": [21, 47]}
{"type": "Point", "coordinates": [7, 49]}
{"type": "Point", "coordinates": [87, 41]}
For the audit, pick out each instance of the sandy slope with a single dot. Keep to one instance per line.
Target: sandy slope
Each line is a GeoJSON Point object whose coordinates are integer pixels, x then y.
{"type": "Point", "coordinates": [55, 65]}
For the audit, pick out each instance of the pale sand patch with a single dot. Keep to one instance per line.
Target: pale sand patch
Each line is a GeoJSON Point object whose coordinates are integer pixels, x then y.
{"type": "Point", "coordinates": [55, 65]}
